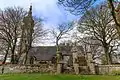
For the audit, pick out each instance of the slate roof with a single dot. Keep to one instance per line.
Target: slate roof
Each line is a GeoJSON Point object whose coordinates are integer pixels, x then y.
{"type": "Point", "coordinates": [43, 52]}
{"type": "Point", "coordinates": [46, 53]}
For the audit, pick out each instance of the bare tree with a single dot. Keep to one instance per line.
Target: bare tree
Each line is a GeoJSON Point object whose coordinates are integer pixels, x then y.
{"type": "Point", "coordinates": [91, 44]}
{"type": "Point", "coordinates": [97, 23]}
{"type": "Point", "coordinates": [59, 33]}
{"type": "Point", "coordinates": [39, 31]}
{"type": "Point", "coordinates": [11, 19]}
{"type": "Point", "coordinates": [76, 6]}
{"type": "Point", "coordinates": [61, 30]}
{"type": "Point", "coordinates": [115, 14]}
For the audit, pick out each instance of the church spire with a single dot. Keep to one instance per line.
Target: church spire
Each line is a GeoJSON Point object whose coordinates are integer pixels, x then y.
{"type": "Point", "coordinates": [30, 11]}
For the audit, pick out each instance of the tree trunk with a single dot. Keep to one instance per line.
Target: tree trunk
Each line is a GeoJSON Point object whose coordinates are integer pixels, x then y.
{"type": "Point", "coordinates": [107, 55]}
{"type": "Point", "coordinates": [13, 52]}
{"type": "Point", "coordinates": [3, 63]}
{"type": "Point", "coordinates": [57, 51]}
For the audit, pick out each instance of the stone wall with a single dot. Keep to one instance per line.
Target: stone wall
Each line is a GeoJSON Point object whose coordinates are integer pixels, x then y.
{"type": "Point", "coordinates": [45, 68]}
{"type": "Point", "coordinates": [42, 68]}
{"type": "Point", "coordinates": [12, 69]}
{"type": "Point", "coordinates": [107, 69]}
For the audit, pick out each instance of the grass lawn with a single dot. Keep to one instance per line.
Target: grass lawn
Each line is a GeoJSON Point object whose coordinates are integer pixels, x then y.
{"type": "Point", "coordinates": [56, 77]}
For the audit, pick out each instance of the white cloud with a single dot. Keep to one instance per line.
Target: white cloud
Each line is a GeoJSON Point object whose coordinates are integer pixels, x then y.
{"type": "Point", "coordinates": [47, 9]}
{"type": "Point", "coordinates": [6, 3]}
{"type": "Point", "coordinates": [43, 8]}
